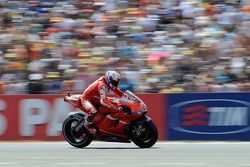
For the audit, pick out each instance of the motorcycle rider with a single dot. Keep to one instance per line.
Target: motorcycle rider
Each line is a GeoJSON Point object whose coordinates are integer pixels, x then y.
{"type": "Point", "coordinates": [96, 94]}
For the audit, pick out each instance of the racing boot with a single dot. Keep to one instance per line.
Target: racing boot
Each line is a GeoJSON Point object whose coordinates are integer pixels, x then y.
{"type": "Point", "coordinates": [89, 124]}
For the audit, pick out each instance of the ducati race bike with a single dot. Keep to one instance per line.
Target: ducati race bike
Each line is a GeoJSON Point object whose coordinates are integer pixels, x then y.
{"type": "Point", "coordinates": [131, 124]}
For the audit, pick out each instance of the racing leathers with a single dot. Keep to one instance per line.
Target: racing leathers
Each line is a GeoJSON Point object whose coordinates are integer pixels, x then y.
{"type": "Point", "coordinates": [96, 94]}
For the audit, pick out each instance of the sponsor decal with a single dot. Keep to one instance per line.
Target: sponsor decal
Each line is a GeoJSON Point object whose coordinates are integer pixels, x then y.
{"type": "Point", "coordinates": [210, 116]}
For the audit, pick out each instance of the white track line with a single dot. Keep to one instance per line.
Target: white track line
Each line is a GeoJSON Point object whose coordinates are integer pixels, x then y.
{"type": "Point", "coordinates": [173, 163]}
{"type": "Point", "coordinates": [7, 163]}
{"type": "Point", "coordinates": [244, 164]}
{"type": "Point", "coordinates": [80, 163]}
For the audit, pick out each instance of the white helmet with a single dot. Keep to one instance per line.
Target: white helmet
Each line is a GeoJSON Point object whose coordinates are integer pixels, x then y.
{"type": "Point", "coordinates": [112, 78]}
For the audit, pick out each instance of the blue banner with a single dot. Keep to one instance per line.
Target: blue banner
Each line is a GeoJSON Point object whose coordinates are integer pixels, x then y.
{"type": "Point", "coordinates": [208, 116]}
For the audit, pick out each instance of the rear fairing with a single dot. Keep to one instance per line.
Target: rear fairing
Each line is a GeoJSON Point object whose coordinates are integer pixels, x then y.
{"type": "Point", "coordinates": [75, 101]}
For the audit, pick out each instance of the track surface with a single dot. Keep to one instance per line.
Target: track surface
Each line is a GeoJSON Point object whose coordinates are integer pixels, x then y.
{"type": "Point", "coordinates": [174, 154]}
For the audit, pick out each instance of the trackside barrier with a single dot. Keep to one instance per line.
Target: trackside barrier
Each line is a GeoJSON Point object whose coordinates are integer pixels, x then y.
{"type": "Point", "coordinates": [208, 116]}
{"type": "Point", "coordinates": [40, 117]}
{"type": "Point", "coordinates": [187, 116]}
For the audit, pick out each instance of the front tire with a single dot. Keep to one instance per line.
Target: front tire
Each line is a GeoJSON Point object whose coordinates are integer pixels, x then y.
{"type": "Point", "coordinates": [147, 138]}
{"type": "Point", "coordinates": [79, 141]}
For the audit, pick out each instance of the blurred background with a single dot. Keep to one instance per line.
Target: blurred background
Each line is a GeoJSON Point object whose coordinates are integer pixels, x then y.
{"type": "Point", "coordinates": [158, 46]}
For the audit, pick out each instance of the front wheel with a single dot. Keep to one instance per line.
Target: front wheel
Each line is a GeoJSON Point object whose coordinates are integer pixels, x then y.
{"type": "Point", "coordinates": [77, 140]}
{"type": "Point", "coordinates": [144, 135]}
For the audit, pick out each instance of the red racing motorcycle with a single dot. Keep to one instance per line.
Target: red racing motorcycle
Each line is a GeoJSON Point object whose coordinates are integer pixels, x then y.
{"type": "Point", "coordinates": [130, 125]}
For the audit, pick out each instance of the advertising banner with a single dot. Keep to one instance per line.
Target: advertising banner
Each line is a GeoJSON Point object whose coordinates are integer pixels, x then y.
{"type": "Point", "coordinates": [40, 117]}
{"type": "Point", "coordinates": [209, 116]}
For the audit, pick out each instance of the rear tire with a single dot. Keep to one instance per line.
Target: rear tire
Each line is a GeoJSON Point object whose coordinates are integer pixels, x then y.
{"type": "Point", "coordinates": [79, 141]}
{"type": "Point", "coordinates": [148, 138]}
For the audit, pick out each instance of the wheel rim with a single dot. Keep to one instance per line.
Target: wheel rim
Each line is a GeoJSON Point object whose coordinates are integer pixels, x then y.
{"type": "Point", "coordinates": [146, 136]}
{"type": "Point", "coordinates": [71, 136]}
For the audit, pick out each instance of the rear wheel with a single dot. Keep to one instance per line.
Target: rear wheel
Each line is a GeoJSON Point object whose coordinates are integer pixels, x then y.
{"type": "Point", "coordinates": [144, 135]}
{"type": "Point", "coordinates": [78, 140]}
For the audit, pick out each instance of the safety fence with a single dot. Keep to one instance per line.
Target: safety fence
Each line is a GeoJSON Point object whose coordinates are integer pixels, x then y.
{"type": "Point", "coordinates": [185, 116]}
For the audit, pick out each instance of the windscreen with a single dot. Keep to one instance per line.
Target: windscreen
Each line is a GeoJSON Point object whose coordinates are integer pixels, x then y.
{"type": "Point", "coordinates": [136, 99]}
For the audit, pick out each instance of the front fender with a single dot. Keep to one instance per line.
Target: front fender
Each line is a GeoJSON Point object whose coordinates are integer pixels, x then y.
{"type": "Point", "coordinates": [144, 119]}
{"type": "Point", "coordinates": [148, 119]}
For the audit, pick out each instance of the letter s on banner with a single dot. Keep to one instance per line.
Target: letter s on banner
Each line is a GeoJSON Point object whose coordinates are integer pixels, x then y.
{"type": "Point", "coordinates": [28, 119]}
{"type": "Point", "coordinates": [3, 120]}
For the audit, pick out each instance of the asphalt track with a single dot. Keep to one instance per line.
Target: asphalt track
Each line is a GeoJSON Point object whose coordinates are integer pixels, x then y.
{"type": "Point", "coordinates": [167, 154]}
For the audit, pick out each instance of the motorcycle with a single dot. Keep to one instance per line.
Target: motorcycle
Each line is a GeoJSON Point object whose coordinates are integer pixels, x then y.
{"type": "Point", "coordinates": [131, 124]}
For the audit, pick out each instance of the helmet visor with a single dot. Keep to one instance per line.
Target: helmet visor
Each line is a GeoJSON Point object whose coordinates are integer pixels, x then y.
{"type": "Point", "coordinates": [114, 82]}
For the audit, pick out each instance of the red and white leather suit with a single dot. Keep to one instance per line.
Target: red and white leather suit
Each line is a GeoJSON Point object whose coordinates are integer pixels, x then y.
{"type": "Point", "coordinates": [95, 94]}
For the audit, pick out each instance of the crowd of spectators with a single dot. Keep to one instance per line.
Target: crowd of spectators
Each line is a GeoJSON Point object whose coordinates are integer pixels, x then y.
{"type": "Point", "coordinates": [158, 46]}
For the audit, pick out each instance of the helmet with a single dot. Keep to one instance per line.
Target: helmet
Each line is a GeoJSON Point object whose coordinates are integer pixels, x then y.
{"type": "Point", "coordinates": [112, 78]}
